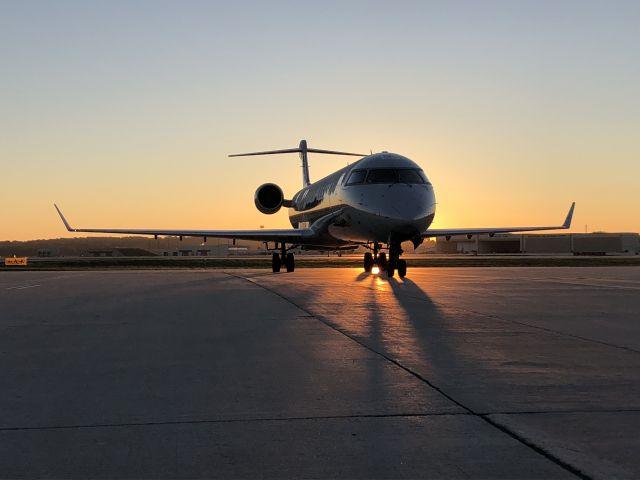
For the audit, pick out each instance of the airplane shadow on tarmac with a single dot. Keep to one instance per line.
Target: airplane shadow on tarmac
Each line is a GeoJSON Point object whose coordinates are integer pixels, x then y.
{"type": "Point", "coordinates": [407, 326]}
{"type": "Point", "coordinates": [398, 320]}
{"type": "Point", "coordinates": [482, 361]}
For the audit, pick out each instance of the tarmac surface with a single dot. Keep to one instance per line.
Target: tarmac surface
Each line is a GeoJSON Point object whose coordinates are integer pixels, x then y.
{"type": "Point", "coordinates": [453, 372]}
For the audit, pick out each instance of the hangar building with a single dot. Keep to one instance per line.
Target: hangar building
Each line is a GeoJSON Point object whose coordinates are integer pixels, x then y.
{"type": "Point", "coordinates": [573, 243]}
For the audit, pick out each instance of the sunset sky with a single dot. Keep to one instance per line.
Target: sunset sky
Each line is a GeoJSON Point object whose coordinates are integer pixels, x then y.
{"type": "Point", "coordinates": [123, 112]}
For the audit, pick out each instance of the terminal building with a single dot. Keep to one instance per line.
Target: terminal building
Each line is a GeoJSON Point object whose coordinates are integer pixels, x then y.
{"type": "Point", "coordinates": [543, 244]}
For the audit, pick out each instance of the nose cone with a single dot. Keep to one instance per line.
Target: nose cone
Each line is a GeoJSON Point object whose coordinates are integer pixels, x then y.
{"type": "Point", "coordinates": [391, 195]}
{"type": "Point", "coordinates": [408, 202]}
{"type": "Point", "coordinates": [397, 203]}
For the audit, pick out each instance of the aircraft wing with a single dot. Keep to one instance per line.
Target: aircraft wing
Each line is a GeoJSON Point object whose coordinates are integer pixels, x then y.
{"type": "Point", "coordinates": [476, 231]}
{"type": "Point", "coordinates": [293, 235]}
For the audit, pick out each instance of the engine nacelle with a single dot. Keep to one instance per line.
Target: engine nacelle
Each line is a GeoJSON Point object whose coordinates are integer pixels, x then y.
{"type": "Point", "coordinates": [269, 198]}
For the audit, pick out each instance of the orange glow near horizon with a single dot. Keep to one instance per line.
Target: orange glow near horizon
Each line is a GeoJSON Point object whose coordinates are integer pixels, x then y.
{"type": "Point", "coordinates": [223, 200]}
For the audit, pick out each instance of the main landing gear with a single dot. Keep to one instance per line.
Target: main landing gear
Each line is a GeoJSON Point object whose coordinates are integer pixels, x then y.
{"type": "Point", "coordinates": [286, 258]}
{"type": "Point", "coordinates": [391, 265]}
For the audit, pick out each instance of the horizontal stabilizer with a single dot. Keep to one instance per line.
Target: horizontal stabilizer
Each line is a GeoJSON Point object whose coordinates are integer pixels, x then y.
{"type": "Point", "coordinates": [302, 150]}
{"type": "Point", "coordinates": [268, 152]}
{"type": "Point", "coordinates": [296, 150]}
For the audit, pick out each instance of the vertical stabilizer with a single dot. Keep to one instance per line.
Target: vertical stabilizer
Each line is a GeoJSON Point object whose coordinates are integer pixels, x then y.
{"type": "Point", "coordinates": [305, 164]}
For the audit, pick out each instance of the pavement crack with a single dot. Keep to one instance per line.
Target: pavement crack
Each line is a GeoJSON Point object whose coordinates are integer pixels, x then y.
{"type": "Point", "coordinates": [538, 449]}
{"type": "Point", "coordinates": [519, 438]}
{"type": "Point", "coordinates": [230, 420]}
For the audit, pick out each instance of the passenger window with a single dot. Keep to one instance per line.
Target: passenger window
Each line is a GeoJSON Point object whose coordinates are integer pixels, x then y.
{"type": "Point", "coordinates": [356, 177]}
{"type": "Point", "coordinates": [383, 175]}
{"type": "Point", "coordinates": [409, 176]}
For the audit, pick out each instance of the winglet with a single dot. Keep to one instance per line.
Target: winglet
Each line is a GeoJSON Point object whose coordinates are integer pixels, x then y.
{"type": "Point", "coordinates": [567, 221]}
{"type": "Point", "coordinates": [64, 220]}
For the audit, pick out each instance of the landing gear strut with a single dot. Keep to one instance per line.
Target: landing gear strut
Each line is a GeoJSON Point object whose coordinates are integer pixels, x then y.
{"type": "Point", "coordinates": [288, 259]}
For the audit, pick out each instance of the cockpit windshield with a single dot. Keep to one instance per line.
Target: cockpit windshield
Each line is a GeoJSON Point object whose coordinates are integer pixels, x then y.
{"type": "Point", "coordinates": [382, 175]}
{"type": "Point", "coordinates": [388, 176]}
{"type": "Point", "coordinates": [357, 177]}
{"type": "Point", "coordinates": [409, 176]}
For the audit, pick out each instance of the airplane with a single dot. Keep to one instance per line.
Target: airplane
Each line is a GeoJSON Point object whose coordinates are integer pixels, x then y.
{"type": "Point", "coordinates": [378, 202]}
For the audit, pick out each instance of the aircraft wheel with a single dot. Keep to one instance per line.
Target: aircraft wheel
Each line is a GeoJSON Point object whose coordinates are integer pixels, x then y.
{"type": "Point", "coordinates": [290, 262]}
{"type": "Point", "coordinates": [402, 268]}
{"type": "Point", "coordinates": [275, 263]}
{"type": "Point", "coordinates": [382, 261]}
{"type": "Point", "coordinates": [368, 262]}
{"type": "Point", "coordinates": [391, 269]}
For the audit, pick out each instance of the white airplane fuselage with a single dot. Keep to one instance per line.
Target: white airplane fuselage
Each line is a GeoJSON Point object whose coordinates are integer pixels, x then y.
{"type": "Point", "coordinates": [382, 197]}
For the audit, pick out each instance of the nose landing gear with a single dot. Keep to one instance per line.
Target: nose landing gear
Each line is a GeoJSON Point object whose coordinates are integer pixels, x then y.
{"type": "Point", "coordinates": [372, 259]}
{"type": "Point", "coordinates": [389, 265]}
{"type": "Point", "coordinates": [402, 268]}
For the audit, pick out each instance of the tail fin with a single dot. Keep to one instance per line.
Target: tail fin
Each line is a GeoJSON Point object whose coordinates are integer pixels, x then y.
{"type": "Point", "coordinates": [305, 163]}
{"type": "Point", "coordinates": [302, 150]}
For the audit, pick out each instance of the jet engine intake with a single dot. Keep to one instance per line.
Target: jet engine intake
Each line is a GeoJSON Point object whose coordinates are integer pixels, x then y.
{"type": "Point", "coordinates": [269, 198]}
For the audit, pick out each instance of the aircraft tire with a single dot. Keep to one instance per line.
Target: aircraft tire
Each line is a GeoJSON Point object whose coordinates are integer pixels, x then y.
{"type": "Point", "coordinates": [382, 261]}
{"type": "Point", "coordinates": [290, 263]}
{"type": "Point", "coordinates": [391, 269]}
{"type": "Point", "coordinates": [368, 262]}
{"type": "Point", "coordinates": [275, 263]}
{"type": "Point", "coordinates": [402, 268]}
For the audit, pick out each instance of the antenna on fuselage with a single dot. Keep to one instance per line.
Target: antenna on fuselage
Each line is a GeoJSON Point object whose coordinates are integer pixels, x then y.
{"type": "Point", "coordinates": [302, 150]}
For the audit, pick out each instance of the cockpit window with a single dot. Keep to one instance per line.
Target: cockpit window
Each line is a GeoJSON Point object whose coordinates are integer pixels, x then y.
{"type": "Point", "coordinates": [388, 176]}
{"type": "Point", "coordinates": [409, 176]}
{"type": "Point", "coordinates": [356, 177]}
{"type": "Point", "coordinates": [382, 175]}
